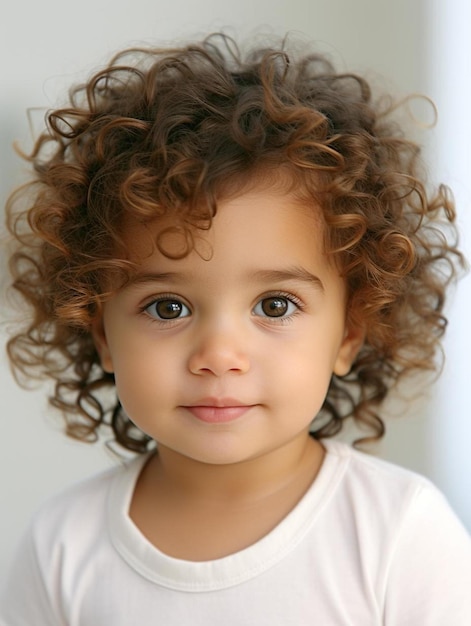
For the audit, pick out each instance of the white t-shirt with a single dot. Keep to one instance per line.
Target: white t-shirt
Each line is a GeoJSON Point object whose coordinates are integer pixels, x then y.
{"type": "Point", "coordinates": [368, 544]}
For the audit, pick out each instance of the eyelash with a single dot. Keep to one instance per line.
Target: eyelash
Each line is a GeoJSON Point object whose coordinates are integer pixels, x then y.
{"type": "Point", "coordinates": [162, 298]}
{"type": "Point", "coordinates": [285, 319]}
{"type": "Point", "coordinates": [282, 319]}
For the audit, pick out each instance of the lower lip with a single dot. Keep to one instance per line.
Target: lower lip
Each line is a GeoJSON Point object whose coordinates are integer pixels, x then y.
{"type": "Point", "coordinates": [218, 414]}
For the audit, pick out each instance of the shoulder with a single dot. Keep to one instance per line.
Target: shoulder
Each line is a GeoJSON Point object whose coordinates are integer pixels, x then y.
{"type": "Point", "coordinates": [385, 502]}
{"type": "Point", "coordinates": [65, 540]}
{"type": "Point", "coordinates": [373, 478]}
{"type": "Point", "coordinates": [405, 532]}
{"type": "Point", "coordinates": [79, 511]}
{"type": "Point", "coordinates": [402, 519]}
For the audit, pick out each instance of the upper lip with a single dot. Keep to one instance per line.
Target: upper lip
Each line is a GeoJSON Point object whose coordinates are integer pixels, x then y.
{"type": "Point", "coordinates": [218, 402]}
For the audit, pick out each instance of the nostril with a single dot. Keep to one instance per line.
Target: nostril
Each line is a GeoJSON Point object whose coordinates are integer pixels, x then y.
{"type": "Point", "coordinates": [218, 361]}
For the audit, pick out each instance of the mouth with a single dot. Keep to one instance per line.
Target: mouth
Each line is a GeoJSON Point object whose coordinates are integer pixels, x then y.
{"type": "Point", "coordinates": [217, 411]}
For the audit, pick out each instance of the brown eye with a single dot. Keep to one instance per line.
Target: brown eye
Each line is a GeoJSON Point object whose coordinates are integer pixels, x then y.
{"type": "Point", "coordinates": [167, 309]}
{"type": "Point", "coordinates": [275, 306]}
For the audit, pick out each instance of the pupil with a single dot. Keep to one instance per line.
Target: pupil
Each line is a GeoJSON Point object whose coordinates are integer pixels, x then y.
{"type": "Point", "coordinates": [274, 307]}
{"type": "Point", "coordinates": [169, 309]}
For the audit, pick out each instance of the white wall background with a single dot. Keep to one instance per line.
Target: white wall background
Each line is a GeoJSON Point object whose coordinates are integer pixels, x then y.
{"type": "Point", "coordinates": [416, 45]}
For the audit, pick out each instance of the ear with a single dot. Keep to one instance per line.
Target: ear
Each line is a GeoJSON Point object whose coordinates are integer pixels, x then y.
{"type": "Point", "coordinates": [352, 342]}
{"type": "Point", "coordinates": [101, 344]}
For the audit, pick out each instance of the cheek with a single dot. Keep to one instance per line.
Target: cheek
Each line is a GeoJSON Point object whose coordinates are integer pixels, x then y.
{"type": "Point", "coordinates": [315, 350]}
{"type": "Point", "coordinates": [307, 370]}
{"type": "Point", "coordinates": [302, 371]}
{"type": "Point", "coordinates": [143, 372]}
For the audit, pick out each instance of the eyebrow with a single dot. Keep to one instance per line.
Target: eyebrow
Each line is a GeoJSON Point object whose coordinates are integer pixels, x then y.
{"type": "Point", "coordinates": [289, 274]}
{"type": "Point", "coordinates": [153, 277]}
{"type": "Point", "coordinates": [296, 273]}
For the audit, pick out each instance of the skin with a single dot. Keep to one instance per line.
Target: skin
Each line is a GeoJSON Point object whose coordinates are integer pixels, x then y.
{"type": "Point", "coordinates": [229, 381]}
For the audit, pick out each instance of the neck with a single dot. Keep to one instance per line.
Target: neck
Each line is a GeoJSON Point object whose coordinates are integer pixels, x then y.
{"type": "Point", "coordinates": [250, 479]}
{"type": "Point", "coordinates": [198, 511]}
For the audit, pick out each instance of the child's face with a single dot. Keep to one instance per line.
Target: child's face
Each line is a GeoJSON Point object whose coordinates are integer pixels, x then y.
{"type": "Point", "coordinates": [228, 359]}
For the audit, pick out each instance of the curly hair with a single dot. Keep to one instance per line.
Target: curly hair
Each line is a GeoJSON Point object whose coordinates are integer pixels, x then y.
{"type": "Point", "coordinates": [166, 132]}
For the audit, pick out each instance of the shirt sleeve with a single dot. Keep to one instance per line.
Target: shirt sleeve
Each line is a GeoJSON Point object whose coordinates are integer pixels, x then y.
{"type": "Point", "coordinates": [429, 576]}
{"type": "Point", "coordinates": [25, 600]}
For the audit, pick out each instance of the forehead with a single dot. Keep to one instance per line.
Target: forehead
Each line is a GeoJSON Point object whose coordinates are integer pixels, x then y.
{"type": "Point", "coordinates": [250, 223]}
{"type": "Point", "coordinates": [256, 237]}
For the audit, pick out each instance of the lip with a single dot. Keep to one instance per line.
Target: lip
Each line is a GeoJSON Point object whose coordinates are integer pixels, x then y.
{"type": "Point", "coordinates": [218, 410]}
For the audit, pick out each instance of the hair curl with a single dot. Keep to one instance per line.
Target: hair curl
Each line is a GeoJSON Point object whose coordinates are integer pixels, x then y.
{"type": "Point", "coordinates": [161, 132]}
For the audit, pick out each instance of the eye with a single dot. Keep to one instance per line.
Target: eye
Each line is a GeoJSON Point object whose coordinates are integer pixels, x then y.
{"type": "Point", "coordinates": [275, 306]}
{"type": "Point", "coordinates": [167, 309]}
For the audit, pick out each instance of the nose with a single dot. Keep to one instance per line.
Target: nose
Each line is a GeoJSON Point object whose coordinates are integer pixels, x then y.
{"type": "Point", "coordinates": [219, 351]}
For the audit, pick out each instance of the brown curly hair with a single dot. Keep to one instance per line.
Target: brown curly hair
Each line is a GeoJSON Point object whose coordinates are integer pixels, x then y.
{"type": "Point", "coordinates": [165, 132]}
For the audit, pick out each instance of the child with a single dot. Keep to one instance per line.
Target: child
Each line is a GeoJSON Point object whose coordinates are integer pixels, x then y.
{"type": "Point", "coordinates": [237, 246]}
